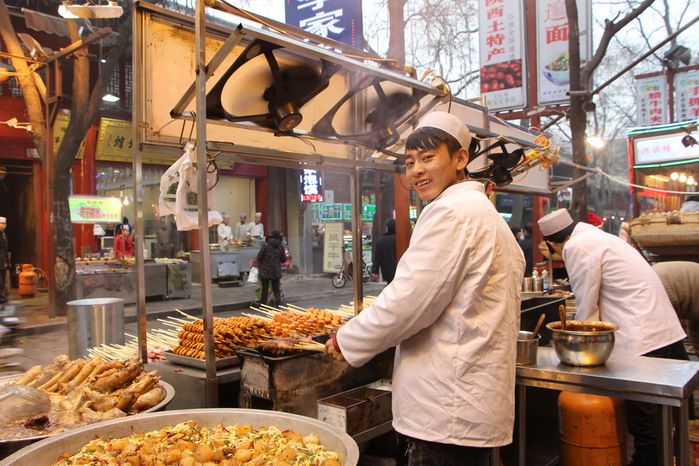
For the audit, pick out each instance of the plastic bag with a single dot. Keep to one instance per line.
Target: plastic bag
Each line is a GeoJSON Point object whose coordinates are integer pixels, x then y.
{"type": "Point", "coordinates": [254, 274]}
{"type": "Point", "coordinates": [168, 187]}
{"type": "Point", "coordinates": [22, 402]}
{"type": "Point", "coordinates": [186, 214]}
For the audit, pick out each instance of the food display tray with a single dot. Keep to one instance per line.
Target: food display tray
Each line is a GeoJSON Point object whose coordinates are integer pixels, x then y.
{"type": "Point", "coordinates": [49, 450]}
{"type": "Point", "coordinates": [197, 363]}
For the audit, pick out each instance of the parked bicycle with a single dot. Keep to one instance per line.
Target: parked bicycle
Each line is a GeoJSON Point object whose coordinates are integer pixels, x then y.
{"type": "Point", "coordinates": [347, 269]}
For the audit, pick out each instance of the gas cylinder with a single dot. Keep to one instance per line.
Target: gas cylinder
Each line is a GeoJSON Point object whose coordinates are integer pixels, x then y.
{"type": "Point", "coordinates": [27, 281]}
{"type": "Point", "coordinates": [592, 430]}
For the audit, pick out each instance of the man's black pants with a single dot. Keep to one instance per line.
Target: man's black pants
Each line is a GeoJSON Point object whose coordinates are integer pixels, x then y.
{"type": "Point", "coordinates": [424, 453]}
{"type": "Point", "coordinates": [642, 419]}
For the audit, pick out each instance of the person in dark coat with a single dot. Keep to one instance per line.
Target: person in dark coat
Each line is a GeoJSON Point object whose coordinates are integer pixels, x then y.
{"type": "Point", "coordinates": [4, 260]}
{"type": "Point", "coordinates": [269, 263]}
{"type": "Point", "coordinates": [526, 244]}
{"type": "Point", "coordinates": [385, 253]}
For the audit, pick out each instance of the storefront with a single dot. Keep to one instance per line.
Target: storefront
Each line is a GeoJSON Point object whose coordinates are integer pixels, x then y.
{"type": "Point", "coordinates": [665, 160]}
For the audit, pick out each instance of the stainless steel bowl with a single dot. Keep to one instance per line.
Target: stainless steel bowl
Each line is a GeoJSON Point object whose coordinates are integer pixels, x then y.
{"type": "Point", "coordinates": [526, 348]}
{"type": "Point", "coordinates": [48, 451]}
{"type": "Point", "coordinates": [583, 343]}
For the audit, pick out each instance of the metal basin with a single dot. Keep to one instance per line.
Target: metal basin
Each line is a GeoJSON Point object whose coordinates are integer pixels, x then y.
{"type": "Point", "coordinates": [526, 348]}
{"type": "Point", "coordinates": [583, 343]}
{"type": "Point", "coordinates": [47, 451]}
{"type": "Point", "coordinates": [8, 447]}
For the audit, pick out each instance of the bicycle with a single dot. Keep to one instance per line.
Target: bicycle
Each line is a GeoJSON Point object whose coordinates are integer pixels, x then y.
{"type": "Point", "coordinates": [346, 271]}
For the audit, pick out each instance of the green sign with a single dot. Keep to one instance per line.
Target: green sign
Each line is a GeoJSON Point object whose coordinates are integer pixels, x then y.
{"type": "Point", "coordinates": [330, 212]}
{"type": "Point", "coordinates": [368, 212]}
{"type": "Point", "coordinates": [94, 209]}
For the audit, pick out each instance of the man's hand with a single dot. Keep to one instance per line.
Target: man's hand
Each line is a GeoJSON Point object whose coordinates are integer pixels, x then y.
{"type": "Point", "coordinates": [331, 351]}
{"type": "Point", "coordinates": [374, 277]}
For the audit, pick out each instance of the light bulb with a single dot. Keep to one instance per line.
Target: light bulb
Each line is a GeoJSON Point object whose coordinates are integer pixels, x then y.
{"type": "Point", "coordinates": [683, 177]}
{"type": "Point", "coordinates": [690, 180]}
{"type": "Point", "coordinates": [674, 176]}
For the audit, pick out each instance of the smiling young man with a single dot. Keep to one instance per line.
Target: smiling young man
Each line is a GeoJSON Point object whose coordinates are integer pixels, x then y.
{"type": "Point", "coordinates": [452, 310]}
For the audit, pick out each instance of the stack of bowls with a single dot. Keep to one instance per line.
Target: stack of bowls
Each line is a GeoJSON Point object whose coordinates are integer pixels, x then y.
{"type": "Point", "coordinates": [583, 343]}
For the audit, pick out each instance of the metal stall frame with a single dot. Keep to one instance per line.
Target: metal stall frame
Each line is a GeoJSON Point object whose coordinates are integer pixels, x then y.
{"type": "Point", "coordinates": [362, 157]}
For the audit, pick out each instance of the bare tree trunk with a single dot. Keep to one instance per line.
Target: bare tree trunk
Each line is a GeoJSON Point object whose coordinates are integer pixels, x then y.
{"type": "Point", "coordinates": [576, 114]}
{"type": "Point", "coordinates": [26, 81]}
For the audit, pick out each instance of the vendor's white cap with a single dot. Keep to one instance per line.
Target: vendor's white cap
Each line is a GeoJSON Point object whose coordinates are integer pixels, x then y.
{"type": "Point", "coordinates": [258, 214]}
{"type": "Point", "coordinates": [3, 220]}
{"type": "Point", "coordinates": [554, 222]}
{"type": "Point", "coordinates": [448, 123]}
{"type": "Point", "coordinates": [225, 215]}
{"type": "Point", "coordinates": [243, 214]}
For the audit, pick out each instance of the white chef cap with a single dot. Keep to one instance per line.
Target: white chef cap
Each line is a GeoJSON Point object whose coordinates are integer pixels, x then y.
{"type": "Point", "coordinates": [243, 214]}
{"type": "Point", "coordinates": [554, 222]}
{"type": "Point", "coordinates": [3, 220]}
{"type": "Point", "coordinates": [450, 124]}
{"type": "Point", "coordinates": [258, 214]}
{"type": "Point", "coordinates": [225, 215]}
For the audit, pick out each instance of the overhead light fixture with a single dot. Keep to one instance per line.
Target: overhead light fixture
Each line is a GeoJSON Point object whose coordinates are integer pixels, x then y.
{"type": "Point", "coordinates": [677, 53]}
{"type": "Point", "coordinates": [683, 178]}
{"type": "Point", "coordinates": [595, 142]}
{"type": "Point", "coordinates": [70, 11]}
{"type": "Point", "coordinates": [110, 98]}
{"type": "Point", "coordinates": [690, 180]}
{"type": "Point", "coordinates": [674, 176]}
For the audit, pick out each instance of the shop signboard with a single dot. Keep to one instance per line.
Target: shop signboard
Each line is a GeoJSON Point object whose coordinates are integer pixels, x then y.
{"type": "Point", "coordinates": [59, 131]}
{"type": "Point", "coordinates": [651, 100]}
{"type": "Point", "coordinates": [331, 212]}
{"type": "Point", "coordinates": [368, 212]}
{"type": "Point", "coordinates": [502, 65]}
{"type": "Point", "coordinates": [311, 184]}
{"type": "Point", "coordinates": [552, 47]}
{"type": "Point", "coordinates": [665, 148]}
{"type": "Point", "coordinates": [340, 20]}
{"type": "Point", "coordinates": [94, 209]}
{"type": "Point", "coordinates": [687, 95]}
{"type": "Point", "coordinates": [332, 247]}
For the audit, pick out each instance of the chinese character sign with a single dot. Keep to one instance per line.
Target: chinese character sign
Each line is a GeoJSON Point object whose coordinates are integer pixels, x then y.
{"type": "Point", "coordinates": [664, 148]}
{"type": "Point", "coordinates": [687, 95]}
{"type": "Point", "coordinates": [651, 101]}
{"type": "Point", "coordinates": [332, 247]}
{"type": "Point", "coordinates": [501, 53]}
{"type": "Point", "coordinates": [340, 20]}
{"type": "Point", "coordinates": [94, 209]}
{"type": "Point", "coordinates": [552, 47]}
{"type": "Point", "coordinates": [311, 186]}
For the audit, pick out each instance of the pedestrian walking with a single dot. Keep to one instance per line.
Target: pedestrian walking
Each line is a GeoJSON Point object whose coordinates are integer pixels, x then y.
{"type": "Point", "coordinates": [269, 263]}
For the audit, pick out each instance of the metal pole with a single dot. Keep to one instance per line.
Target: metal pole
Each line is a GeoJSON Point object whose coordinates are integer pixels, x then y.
{"type": "Point", "coordinates": [136, 119]}
{"type": "Point", "coordinates": [203, 206]}
{"type": "Point", "coordinates": [357, 269]}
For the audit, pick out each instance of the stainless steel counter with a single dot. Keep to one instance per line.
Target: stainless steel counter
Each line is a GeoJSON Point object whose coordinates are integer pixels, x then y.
{"type": "Point", "coordinates": [666, 382]}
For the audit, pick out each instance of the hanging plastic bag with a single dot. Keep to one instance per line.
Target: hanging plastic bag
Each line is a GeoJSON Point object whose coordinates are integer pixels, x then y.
{"type": "Point", "coordinates": [168, 186]}
{"type": "Point", "coordinates": [186, 203]}
{"type": "Point", "coordinates": [254, 274]}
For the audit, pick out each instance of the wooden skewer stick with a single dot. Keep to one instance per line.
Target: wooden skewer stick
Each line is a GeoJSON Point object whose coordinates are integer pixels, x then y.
{"type": "Point", "coordinates": [190, 317]}
{"type": "Point", "coordinates": [297, 307]}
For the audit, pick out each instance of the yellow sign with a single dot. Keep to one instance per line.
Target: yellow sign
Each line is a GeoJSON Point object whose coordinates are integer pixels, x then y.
{"type": "Point", "coordinates": [94, 209]}
{"type": "Point", "coordinates": [59, 131]}
{"type": "Point", "coordinates": [116, 145]}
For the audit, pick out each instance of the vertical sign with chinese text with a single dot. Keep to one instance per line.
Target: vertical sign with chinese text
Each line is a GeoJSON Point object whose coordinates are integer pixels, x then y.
{"type": "Point", "coordinates": [687, 95]}
{"type": "Point", "coordinates": [552, 47]}
{"type": "Point", "coordinates": [340, 20]}
{"type": "Point", "coordinates": [332, 247]}
{"type": "Point", "coordinates": [311, 186]}
{"type": "Point", "coordinates": [651, 101]}
{"type": "Point", "coordinates": [501, 53]}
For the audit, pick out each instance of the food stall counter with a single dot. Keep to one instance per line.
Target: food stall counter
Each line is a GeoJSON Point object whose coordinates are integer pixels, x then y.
{"type": "Point", "coordinates": [666, 382]}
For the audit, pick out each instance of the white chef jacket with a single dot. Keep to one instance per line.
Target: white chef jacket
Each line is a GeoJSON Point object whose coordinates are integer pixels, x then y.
{"type": "Point", "coordinates": [225, 235]}
{"type": "Point", "coordinates": [604, 270]}
{"type": "Point", "coordinates": [241, 231]}
{"type": "Point", "coordinates": [257, 230]}
{"type": "Point", "coordinates": [453, 310]}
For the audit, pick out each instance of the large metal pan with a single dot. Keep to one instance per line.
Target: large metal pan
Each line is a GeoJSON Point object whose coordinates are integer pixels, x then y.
{"type": "Point", "coordinates": [7, 447]}
{"type": "Point", "coordinates": [47, 451]}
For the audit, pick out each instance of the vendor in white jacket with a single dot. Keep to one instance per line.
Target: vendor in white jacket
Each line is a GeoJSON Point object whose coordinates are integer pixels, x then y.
{"type": "Point", "coordinates": [607, 273]}
{"type": "Point", "coordinates": [452, 309]}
